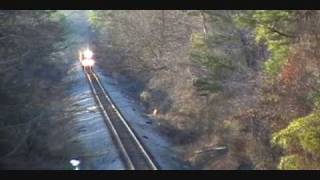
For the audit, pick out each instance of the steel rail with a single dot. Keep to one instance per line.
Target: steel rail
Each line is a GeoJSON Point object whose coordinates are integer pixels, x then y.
{"type": "Point", "coordinates": [132, 149]}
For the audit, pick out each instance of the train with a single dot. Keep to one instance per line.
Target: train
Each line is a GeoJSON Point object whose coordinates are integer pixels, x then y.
{"type": "Point", "coordinates": [86, 59]}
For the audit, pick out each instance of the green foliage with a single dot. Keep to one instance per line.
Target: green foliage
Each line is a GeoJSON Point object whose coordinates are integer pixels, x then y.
{"type": "Point", "coordinates": [278, 58]}
{"type": "Point", "coordinates": [289, 162]}
{"type": "Point", "coordinates": [275, 29]}
{"type": "Point", "coordinates": [314, 97]}
{"type": "Point", "coordinates": [217, 65]}
{"type": "Point", "coordinates": [213, 52]}
{"type": "Point", "coordinates": [302, 135]}
{"type": "Point", "coordinates": [201, 54]}
{"type": "Point", "coordinates": [198, 41]}
{"type": "Point", "coordinates": [206, 84]}
{"type": "Point", "coordinates": [95, 18]}
{"type": "Point", "coordinates": [214, 63]}
{"type": "Point", "coordinates": [100, 19]}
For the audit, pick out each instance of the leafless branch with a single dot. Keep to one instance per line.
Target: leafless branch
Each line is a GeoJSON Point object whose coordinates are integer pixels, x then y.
{"type": "Point", "coordinates": [281, 33]}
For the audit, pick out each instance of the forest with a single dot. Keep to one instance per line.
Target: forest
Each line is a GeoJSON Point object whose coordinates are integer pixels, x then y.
{"type": "Point", "coordinates": [247, 81]}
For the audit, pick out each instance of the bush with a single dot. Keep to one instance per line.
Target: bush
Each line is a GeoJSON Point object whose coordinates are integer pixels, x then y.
{"type": "Point", "coordinates": [301, 140]}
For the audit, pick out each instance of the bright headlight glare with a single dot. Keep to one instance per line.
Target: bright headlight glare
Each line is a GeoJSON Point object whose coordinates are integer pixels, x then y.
{"type": "Point", "coordinates": [88, 54]}
{"type": "Point", "coordinates": [88, 62]}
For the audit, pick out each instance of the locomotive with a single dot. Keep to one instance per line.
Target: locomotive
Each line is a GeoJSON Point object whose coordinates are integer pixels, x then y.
{"type": "Point", "coordinates": [86, 59]}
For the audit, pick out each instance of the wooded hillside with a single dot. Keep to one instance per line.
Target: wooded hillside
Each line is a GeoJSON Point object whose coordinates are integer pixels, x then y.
{"type": "Point", "coordinates": [247, 80]}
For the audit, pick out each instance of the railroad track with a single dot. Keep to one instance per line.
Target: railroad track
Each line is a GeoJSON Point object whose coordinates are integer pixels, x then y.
{"type": "Point", "coordinates": [132, 150]}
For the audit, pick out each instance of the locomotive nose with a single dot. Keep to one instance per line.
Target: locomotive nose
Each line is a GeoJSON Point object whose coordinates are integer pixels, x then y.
{"type": "Point", "coordinates": [87, 58]}
{"type": "Point", "coordinates": [88, 62]}
{"type": "Point", "coordinates": [87, 54]}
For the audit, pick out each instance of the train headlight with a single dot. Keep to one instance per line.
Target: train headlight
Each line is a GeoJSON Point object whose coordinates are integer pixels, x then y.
{"type": "Point", "coordinates": [87, 54]}
{"type": "Point", "coordinates": [88, 62]}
